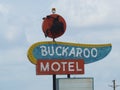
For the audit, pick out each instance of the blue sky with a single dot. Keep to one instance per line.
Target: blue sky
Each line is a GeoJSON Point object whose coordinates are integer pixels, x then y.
{"type": "Point", "coordinates": [88, 21]}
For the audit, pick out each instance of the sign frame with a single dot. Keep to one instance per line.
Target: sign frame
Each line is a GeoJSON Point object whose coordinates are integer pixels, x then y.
{"type": "Point", "coordinates": [86, 83]}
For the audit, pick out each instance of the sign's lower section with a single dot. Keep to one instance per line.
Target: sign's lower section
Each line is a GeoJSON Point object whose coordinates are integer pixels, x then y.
{"type": "Point", "coordinates": [84, 83]}
{"type": "Point", "coordinates": [49, 67]}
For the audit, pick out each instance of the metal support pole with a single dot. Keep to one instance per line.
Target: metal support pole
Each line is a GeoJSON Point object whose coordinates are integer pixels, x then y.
{"type": "Point", "coordinates": [54, 82]}
{"type": "Point", "coordinates": [114, 85]}
{"type": "Point", "coordinates": [68, 75]}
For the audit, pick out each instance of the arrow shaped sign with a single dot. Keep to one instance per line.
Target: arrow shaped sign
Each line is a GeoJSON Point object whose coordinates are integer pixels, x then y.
{"type": "Point", "coordinates": [68, 51]}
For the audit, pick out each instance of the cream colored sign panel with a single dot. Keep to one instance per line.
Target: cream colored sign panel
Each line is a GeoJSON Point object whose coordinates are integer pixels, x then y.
{"type": "Point", "coordinates": [75, 84]}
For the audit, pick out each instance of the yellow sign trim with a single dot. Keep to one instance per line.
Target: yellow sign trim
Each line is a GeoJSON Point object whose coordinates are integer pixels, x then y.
{"type": "Point", "coordinates": [34, 61]}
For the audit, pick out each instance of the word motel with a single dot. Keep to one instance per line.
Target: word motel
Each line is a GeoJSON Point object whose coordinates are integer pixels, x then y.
{"type": "Point", "coordinates": [46, 67]}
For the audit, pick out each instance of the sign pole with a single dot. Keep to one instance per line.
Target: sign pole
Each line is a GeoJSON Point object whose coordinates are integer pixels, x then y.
{"type": "Point", "coordinates": [68, 75]}
{"type": "Point", "coordinates": [54, 82]}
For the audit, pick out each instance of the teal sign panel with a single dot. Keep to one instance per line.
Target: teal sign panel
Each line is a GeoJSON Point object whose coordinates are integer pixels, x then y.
{"type": "Point", "coordinates": [68, 51]}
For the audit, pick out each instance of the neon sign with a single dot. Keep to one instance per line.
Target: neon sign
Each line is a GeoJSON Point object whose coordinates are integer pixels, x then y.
{"type": "Point", "coordinates": [62, 50]}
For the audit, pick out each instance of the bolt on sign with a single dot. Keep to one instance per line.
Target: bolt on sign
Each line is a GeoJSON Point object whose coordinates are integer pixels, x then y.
{"type": "Point", "coordinates": [62, 57]}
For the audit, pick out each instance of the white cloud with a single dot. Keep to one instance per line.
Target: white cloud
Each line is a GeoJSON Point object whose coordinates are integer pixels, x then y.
{"type": "Point", "coordinates": [12, 27]}
{"type": "Point", "coordinates": [83, 12]}
{"type": "Point", "coordinates": [12, 33]}
{"type": "Point", "coordinates": [4, 9]}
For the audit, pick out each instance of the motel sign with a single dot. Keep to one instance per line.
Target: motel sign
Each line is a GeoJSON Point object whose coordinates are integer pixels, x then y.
{"type": "Point", "coordinates": [53, 57]}
{"type": "Point", "coordinates": [65, 58]}
{"type": "Point", "coordinates": [45, 67]}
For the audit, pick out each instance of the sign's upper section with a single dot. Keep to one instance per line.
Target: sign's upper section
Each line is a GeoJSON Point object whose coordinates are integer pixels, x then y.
{"type": "Point", "coordinates": [63, 51]}
{"type": "Point", "coordinates": [53, 26]}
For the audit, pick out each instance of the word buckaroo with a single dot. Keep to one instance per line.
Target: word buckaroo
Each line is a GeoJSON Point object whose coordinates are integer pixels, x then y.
{"type": "Point", "coordinates": [65, 51]}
